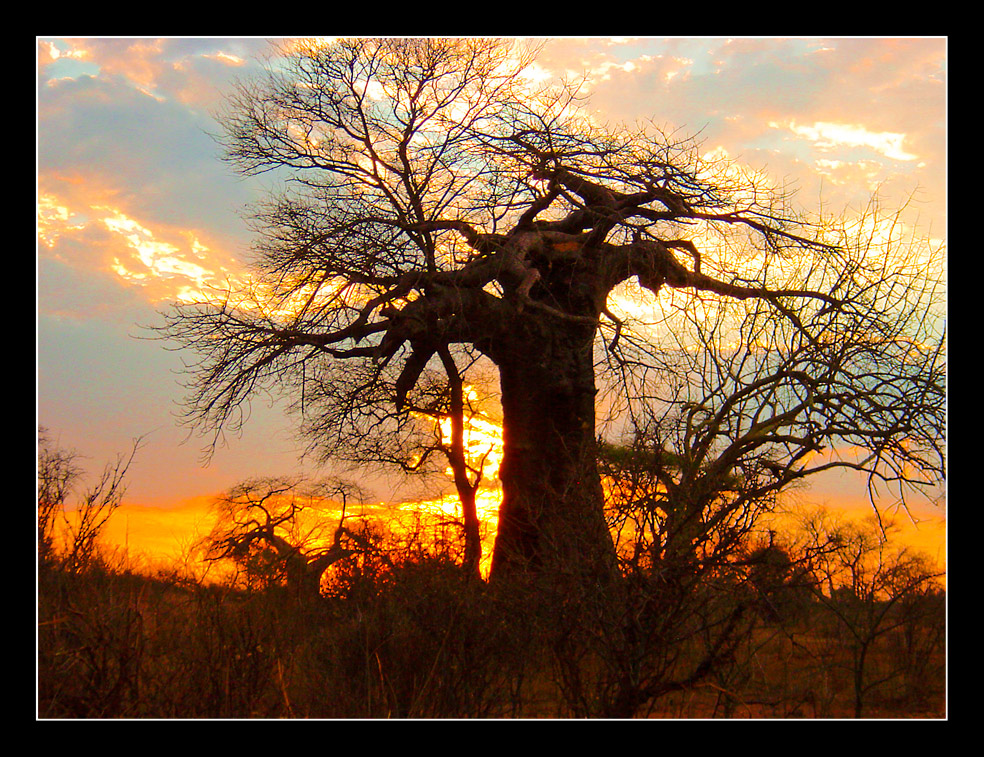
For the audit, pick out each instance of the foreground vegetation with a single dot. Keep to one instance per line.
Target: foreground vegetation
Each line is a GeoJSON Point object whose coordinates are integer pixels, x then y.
{"type": "Point", "coordinates": [401, 631]}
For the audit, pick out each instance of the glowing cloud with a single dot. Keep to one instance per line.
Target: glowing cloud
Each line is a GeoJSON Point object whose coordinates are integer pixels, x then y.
{"type": "Point", "coordinates": [159, 260]}
{"type": "Point", "coordinates": [227, 58]}
{"type": "Point", "coordinates": [54, 219]}
{"type": "Point", "coordinates": [54, 53]}
{"type": "Point", "coordinates": [136, 254]}
{"type": "Point", "coordinates": [827, 135]}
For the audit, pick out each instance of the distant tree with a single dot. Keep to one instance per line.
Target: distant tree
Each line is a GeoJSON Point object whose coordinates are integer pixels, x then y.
{"type": "Point", "coordinates": [59, 474]}
{"type": "Point", "coordinates": [869, 586]}
{"type": "Point", "coordinates": [438, 206]}
{"type": "Point", "coordinates": [273, 529]}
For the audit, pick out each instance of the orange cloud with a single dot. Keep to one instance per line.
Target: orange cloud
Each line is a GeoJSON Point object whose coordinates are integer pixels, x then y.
{"type": "Point", "coordinates": [49, 52]}
{"type": "Point", "coordinates": [160, 68]}
{"type": "Point", "coordinates": [166, 263]}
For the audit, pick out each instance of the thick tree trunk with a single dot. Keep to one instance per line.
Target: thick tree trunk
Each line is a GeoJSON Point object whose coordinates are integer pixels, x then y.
{"type": "Point", "coordinates": [551, 521]}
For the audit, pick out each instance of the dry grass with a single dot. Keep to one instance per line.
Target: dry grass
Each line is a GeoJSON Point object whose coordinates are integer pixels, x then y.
{"type": "Point", "coordinates": [420, 642]}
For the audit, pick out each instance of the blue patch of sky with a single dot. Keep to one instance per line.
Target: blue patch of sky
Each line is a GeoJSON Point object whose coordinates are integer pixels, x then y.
{"type": "Point", "coordinates": [701, 53]}
{"type": "Point", "coordinates": [69, 68]}
{"type": "Point", "coordinates": [705, 54]}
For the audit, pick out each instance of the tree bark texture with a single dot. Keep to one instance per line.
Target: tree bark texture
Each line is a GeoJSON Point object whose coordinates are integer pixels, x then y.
{"type": "Point", "coordinates": [552, 519]}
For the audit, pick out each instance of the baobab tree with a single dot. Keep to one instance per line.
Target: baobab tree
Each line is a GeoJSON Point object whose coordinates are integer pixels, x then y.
{"type": "Point", "coordinates": [260, 526]}
{"type": "Point", "coordinates": [436, 206]}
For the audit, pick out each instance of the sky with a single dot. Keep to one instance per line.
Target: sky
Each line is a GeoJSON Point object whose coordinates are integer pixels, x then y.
{"type": "Point", "coordinates": [136, 208]}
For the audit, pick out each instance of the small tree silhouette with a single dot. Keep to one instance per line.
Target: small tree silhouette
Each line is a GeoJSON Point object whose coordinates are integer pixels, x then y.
{"type": "Point", "coordinates": [262, 527]}
{"type": "Point", "coordinates": [59, 473]}
{"type": "Point", "coordinates": [866, 584]}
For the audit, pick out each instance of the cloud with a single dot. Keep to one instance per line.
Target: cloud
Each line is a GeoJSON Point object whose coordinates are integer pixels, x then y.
{"type": "Point", "coordinates": [159, 264]}
{"type": "Point", "coordinates": [612, 65]}
{"type": "Point", "coordinates": [178, 69]}
{"type": "Point", "coordinates": [829, 136]}
{"type": "Point", "coordinates": [833, 118]}
{"type": "Point", "coordinates": [49, 52]}
{"type": "Point", "coordinates": [130, 188]}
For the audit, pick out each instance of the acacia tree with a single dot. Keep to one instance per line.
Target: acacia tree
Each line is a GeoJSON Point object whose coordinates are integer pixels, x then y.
{"type": "Point", "coordinates": [435, 203]}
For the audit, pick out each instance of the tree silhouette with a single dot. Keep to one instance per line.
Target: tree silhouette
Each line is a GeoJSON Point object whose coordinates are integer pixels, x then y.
{"type": "Point", "coordinates": [260, 527]}
{"type": "Point", "coordinates": [59, 475]}
{"type": "Point", "coordinates": [437, 206]}
{"type": "Point", "coordinates": [867, 586]}
{"type": "Point", "coordinates": [58, 472]}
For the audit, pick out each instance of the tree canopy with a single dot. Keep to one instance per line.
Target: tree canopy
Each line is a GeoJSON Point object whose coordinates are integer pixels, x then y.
{"type": "Point", "coordinates": [441, 214]}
